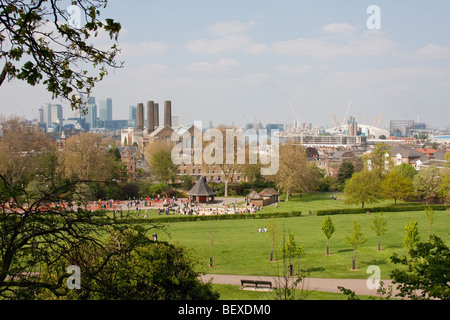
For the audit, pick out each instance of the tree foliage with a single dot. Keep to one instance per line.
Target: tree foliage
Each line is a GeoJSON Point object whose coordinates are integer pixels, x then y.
{"type": "Point", "coordinates": [363, 187]}
{"type": "Point", "coordinates": [159, 157]}
{"type": "Point", "coordinates": [411, 237]}
{"type": "Point", "coordinates": [328, 229]}
{"type": "Point", "coordinates": [428, 271]}
{"type": "Point", "coordinates": [396, 186]}
{"type": "Point", "coordinates": [346, 170]}
{"type": "Point", "coordinates": [379, 226]}
{"type": "Point", "coordinates": [85, 158]}
{"type": "Point", "coordinates": [38, 43]}
{"type": "Point", "coordinates": [355, 238]}
{"type": "Point", "coordinates": [406, 170]}
{"type": "Point", "coordinates": [134, 267]}
{"type": "Point", "coordinates": [295, 173]}
{"type": "Point", "coordinates": [378, 160]}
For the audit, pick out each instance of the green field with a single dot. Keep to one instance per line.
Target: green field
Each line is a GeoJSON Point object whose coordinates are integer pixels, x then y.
{"type": "Point", "coordinates": [239, 249]}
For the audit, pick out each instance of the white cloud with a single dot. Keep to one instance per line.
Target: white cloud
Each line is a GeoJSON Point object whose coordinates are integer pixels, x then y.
{"type": "Point", "coordinates": [228, 43]}
{"type": "Point", "coordinates": [142, 49]}
{"type": "Point", "coordinates": [221, 66]}
{"type": "Point", "coordinates": [223, 28]}
{"type": "Point", "coordinates": [338, 28]}
{"type": "Point", "coordinates": [230, 38]}
{"type": "Point", "coordinates": [367, 44]}
{"type": "Point", "coordinates": [433, 51]}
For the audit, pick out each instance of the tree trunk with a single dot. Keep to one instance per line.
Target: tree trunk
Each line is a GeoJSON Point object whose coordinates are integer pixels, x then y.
{"type": "Point", "coordinates": [271, 252]}
{"type": "Point", "coordinates": [354, 259]}
{"type": "Point", "coordinates": [226, 187]}
{"type": "Point", "coordinates": [379, 247]}
{"type": "Point", "coordinates": [362, 204]}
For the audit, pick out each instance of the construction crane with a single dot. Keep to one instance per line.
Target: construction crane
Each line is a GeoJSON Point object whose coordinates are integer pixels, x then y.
{"type": "Point", "coordinates": [338, 125]}
{"type": "Point", "coordinates": [344, 121]}
{"type": "Point", "coordinates": [295, 114]}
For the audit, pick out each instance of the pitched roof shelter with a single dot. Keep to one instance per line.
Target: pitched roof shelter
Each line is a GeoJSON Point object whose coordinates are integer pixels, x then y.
{"type": "Point", "coordinates": [201, 192]}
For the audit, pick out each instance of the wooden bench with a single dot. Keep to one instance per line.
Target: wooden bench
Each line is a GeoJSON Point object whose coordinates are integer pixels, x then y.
{"type": "Point", "coordinates": [257, 284]}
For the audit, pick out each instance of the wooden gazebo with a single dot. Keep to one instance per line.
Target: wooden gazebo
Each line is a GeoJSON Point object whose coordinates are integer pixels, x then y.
{"type": "Point", "coordinates": [201, 192]}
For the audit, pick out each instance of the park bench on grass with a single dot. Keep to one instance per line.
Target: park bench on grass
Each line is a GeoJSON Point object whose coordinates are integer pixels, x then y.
{"type": "Point", "coordinates": [257, 284]}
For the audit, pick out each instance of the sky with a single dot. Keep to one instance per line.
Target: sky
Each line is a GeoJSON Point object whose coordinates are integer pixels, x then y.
{"type": "Point", "coordinates": [231, 62]}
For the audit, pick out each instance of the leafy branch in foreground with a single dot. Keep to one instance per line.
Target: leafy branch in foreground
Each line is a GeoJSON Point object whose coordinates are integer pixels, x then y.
{"type": "Point", "coordinates": [38, 43]}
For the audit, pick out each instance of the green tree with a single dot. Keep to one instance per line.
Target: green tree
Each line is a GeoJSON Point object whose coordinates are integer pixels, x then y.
{"type": "Point", "coordinates": [291, 250]}
{"type": "Point", "coordinates": [295, 173]}
{"type": "Point", "coordinates": [396, 186]}
{"type": "Point", "coordinates": [406, 170]}
{"type": "Point", "coordinates": [25, 152]}
{"type": "Point", "coordinates": [428, 271]}
{"type": "Point", "coordinates": [328, 229]}
{"type": "Point", "coordinates": [159, 158]}
{"type": "Point", "coordinates": [272, 232]}
{"type": "Point", "coordinates": [411, 237]}
{"type": "Point", "coordinates": [363, 187]}
{"type": "Point", "coordinates": [378, 160]}
{"type": "Point", "coordinates": [38, 43]}
{"type": "Point", "coordinates": [355, 238]}
{"type": "Point", "coordinates": [140, 269]}
{"type": "Point", "coordinates": [379, 226]}
{"type": "Point", "coordinates": [346, 170]}
{"type": "Point", "coordinates": [427, 184]}
{"type": "Point", "coordinates": [35, 235]}
{"type": "Point", "coordinates": [85, 158]}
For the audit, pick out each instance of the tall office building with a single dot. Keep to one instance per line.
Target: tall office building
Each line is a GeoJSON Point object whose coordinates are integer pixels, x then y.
{"type": "Point", "coordinates": [91, 113]}
{"type": "Point", "coordinates": [51, 114]}
{"type": "Point", "coordinates": [105, 109]}
{"type": "Point", "coordinates": [132, 116]}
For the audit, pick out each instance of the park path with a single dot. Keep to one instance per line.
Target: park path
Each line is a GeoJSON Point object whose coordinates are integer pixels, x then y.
{"type": "Point", "coordinates": [359, 286]}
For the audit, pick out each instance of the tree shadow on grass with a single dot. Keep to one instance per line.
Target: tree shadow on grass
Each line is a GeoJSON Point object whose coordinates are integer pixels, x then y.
{"type": "Point", "coordinates": [345, 250]}
{"type": "Point", "coordinates": [314, 269]}
{"type": "Point", "coordinates": [376, 262]}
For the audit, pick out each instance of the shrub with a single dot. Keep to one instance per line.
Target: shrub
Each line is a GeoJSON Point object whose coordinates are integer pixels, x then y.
{"type": "Point", "coordinates": [396, 208]}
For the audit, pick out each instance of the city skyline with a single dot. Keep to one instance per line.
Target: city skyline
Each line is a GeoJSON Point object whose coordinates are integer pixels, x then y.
{"type": "Point", "coordinates": [237, 61]}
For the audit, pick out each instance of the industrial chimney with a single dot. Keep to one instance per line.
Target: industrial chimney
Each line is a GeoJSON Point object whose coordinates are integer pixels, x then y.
{"type": "Point", "coordinates": [156, 116]}
{"type": "Point", "coordinates": [168, 113]}
{"type": "Point", "coordinates": [150, 116]}
{"type": "Point", "coordinates": [140, 116]}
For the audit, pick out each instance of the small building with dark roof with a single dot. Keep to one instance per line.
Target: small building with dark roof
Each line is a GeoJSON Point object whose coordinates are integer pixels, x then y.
{"type": "Point", "coordinates": [254, 198]}
{"type": "Point", "coordinates": [201, 192]}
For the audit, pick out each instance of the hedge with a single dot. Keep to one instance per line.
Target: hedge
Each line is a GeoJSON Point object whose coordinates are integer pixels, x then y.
{"type": "Point", "coordinates": [184, 218]}
{"type": "Point", "coordinates": [420, 207]}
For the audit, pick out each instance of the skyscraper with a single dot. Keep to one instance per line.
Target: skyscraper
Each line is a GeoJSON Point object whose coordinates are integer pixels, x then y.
{"type": "Point", "coordinates": [51, 114]}
{"type": "Point", "coordinates": [132, 116]}
{"type": "Point", "coordinates": [105, 112]}
{"type": "Point", "coordinates": [91, 115]}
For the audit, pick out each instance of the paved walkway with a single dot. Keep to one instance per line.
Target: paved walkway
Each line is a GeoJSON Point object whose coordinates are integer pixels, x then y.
{"type": "Point", "coordinates": [359, 286]}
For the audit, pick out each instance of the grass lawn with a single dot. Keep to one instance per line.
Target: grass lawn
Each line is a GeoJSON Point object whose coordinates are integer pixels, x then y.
{"type": "Point", "coordinates": [239, 249]}
{"type": "Point", "coordinates": [232, 292]}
